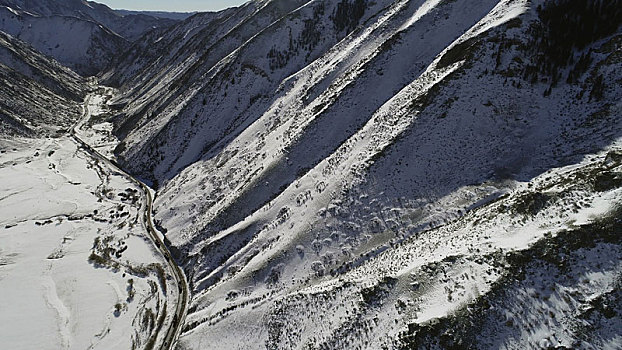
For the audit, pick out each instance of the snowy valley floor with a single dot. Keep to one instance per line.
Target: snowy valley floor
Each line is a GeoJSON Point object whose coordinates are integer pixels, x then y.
{"type": "Point", "coordinates": [77, 270]}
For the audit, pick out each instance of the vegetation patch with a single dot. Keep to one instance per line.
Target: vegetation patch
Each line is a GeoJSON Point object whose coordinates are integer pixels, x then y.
{"type": "Point", "coordinates": [564, 29]}
{"type": "Point", "coordinates": [607, 181]}
{"type": "Point", "coordinates": [373, 296]}
{"type": "Point", "coordinates": [348, 14]}
{"type": "Point", "coordinates": [459, 52]}
{"type": "Point", "coordinates": [531, 203]}
{"type": "Point", "coordinates": [460, 330]}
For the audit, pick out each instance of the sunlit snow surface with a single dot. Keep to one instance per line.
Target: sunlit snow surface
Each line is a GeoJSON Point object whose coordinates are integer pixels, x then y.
{"type": "Point", "coordinates": [55, 201]}
{"type": "Point", "coordinates": [341, 213]}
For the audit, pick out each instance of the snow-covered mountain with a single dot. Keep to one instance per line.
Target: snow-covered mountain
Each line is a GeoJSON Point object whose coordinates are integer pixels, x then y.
{"type": "Point", "coordinates": [159, 14]}
{"type": "Point", "coordinates": [39, 96]}
{"type": "Point", "coordinates": [349, 174]}
{"type": "Point", "coordinates": [129, 25]}
{"type": "Point", "coordinates": [339, 174]}
{"type": "Point", "coordinates": [88, 50]}
{"type": "Point", "coordinates": [84, 36]}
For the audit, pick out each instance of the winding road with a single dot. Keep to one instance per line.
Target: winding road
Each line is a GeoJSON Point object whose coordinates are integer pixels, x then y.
{"type": "Point", "coordinates": [181, 309]}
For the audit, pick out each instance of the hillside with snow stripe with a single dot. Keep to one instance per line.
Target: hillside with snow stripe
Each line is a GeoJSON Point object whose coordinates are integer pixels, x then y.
{"type": "Point", "coordinates": [292, 165]}
{"type": "Point", "coordinates": [84, 46]}
{"type": "Point", "coordinates": [39, 96]}
{"type": "Point", "coordinates": [20, 57]}
{"type": "Point", "coordinates": [130, 25]}
{"type": "Point", "coordinates": [84, 36]}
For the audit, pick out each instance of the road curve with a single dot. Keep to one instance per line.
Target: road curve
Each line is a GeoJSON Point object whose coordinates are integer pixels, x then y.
{"type": "Point", "coordinates": [182, 304]}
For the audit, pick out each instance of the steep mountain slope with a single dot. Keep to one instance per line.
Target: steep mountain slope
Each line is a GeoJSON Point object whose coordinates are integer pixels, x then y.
{"type": "Point", "coordinates": [366, 174]}
{"type": "Point", "coordinates": [88, 50]}
{"type": "Point", "coordinates": [357, 174]}
{"type": "Point", "coordinates": [84, 36]}
{"type": "Point", "coordinates": [130, 26]}
{"type": "Point", "coordinates": [227, 64]}
{"type": "Point", "coordinates": [38, 95]}
{"type": "Point", "coordinates": [180, 16]}
{"type": "Point", "coordinates": [156, 84]}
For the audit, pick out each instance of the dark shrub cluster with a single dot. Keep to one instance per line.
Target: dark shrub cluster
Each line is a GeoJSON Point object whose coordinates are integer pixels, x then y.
{"type": "Point", "coordinates": [564, 29]}
{"type": "Point", "coordinates": [348, 14]}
